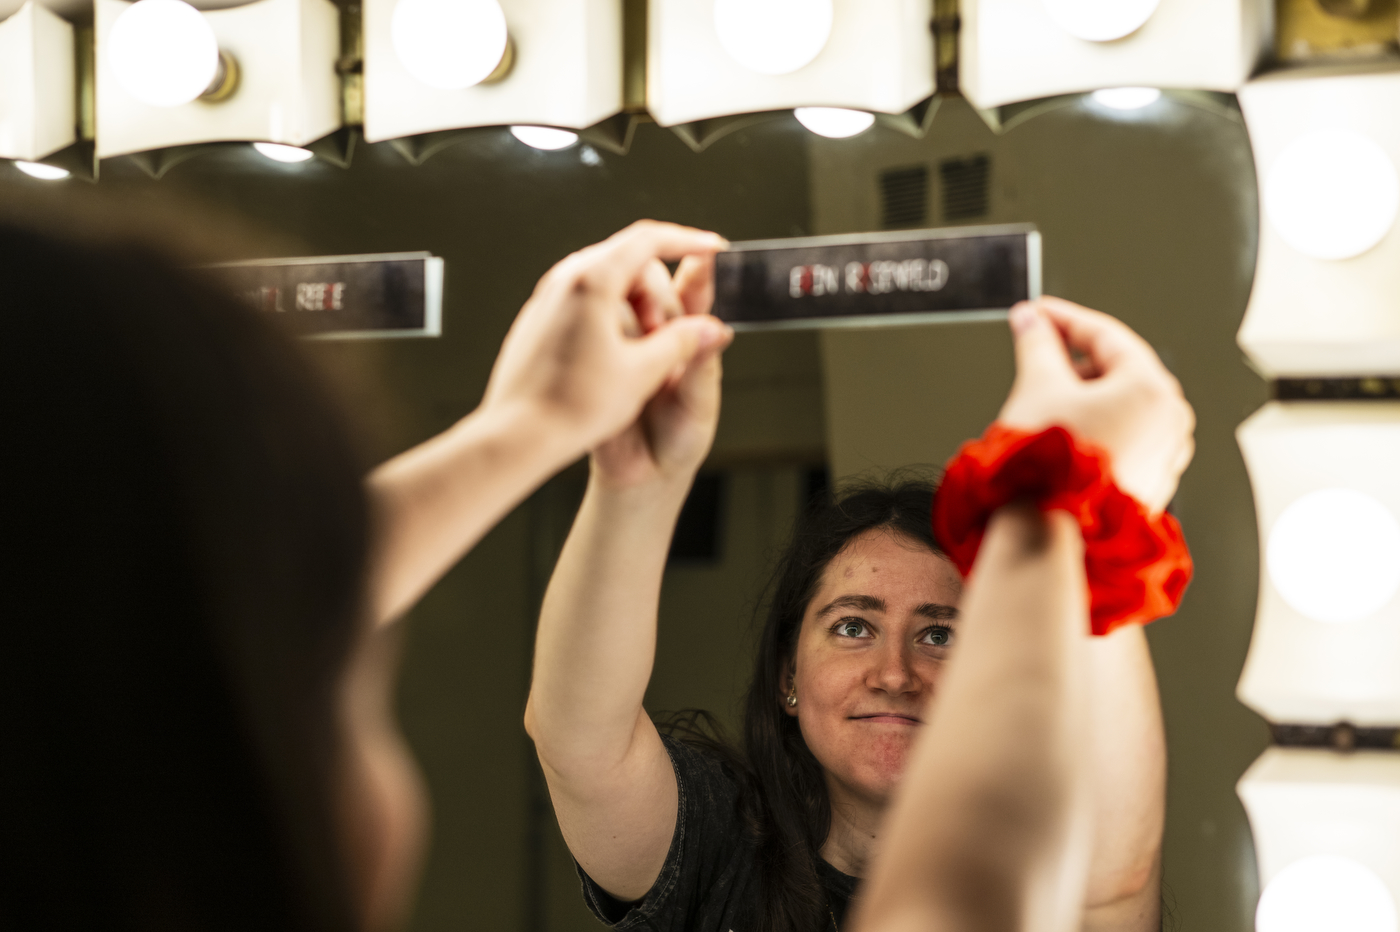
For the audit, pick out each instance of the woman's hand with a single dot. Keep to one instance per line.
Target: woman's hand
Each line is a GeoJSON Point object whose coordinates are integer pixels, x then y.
{"type": "Point", "coordinates": [671, 436]}
{"type": "Point", "coordinates": [1088, 372]}
{"type": "Point", "coordinates": [601, 335]}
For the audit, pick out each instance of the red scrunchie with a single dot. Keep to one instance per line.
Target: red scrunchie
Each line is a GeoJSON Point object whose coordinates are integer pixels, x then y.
{"type": "Point", "coordinates": [1138, 565]}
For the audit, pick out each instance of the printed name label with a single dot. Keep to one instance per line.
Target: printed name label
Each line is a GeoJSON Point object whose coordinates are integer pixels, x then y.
{"type": "Point", "coordinates": [345, 297]}
{"type": "Point", "coordinates": [877, 278]}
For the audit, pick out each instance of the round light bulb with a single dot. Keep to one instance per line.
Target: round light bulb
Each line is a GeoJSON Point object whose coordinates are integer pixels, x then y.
{"type": "Point", "coordinates": [43, 172]}
{"type": "Point", "coordinates": [773, 36]}
{"type": "Point", "coordinates": [544, 137]}
{"type": "Point", "coordinates": [1126, 98]}
{"type": "Point", "coordinates": [1332, 194]}
{"type": "Point", "coordinates": [1334, 555]}
{"type": "Point", "coordinates": [280, 153]}
{"type": "Point", "coordinates": [1326, 893]}
{"type": "Point", "coordinates": [450, 44]}
{"type": "Point", "coordinates": [163, 52]}
{"type": "Point", "coordinates": [1100, 20]}
{"type": "Point", "coordinates": [834, 122]}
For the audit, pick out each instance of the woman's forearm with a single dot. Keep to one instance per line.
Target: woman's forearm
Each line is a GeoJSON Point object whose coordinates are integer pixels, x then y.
{"type": "Point", "coordinates": [432, 503]}
{"type": "Point", "coordinates": [1130, 774]}
{"type": "Point", "coordinates": [990, 827]}
{"type": "Point", "coordinates": [597, 633]}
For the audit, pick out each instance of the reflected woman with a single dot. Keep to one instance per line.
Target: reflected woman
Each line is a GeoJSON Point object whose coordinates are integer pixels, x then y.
{"type": "Point", "coordinates": [685, 833]}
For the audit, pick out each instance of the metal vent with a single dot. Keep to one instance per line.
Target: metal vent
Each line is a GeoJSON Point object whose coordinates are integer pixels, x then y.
{"type": "Point", "coordinates": [966, 184]}
{"type": "Point", "coordinates": [904, 197]}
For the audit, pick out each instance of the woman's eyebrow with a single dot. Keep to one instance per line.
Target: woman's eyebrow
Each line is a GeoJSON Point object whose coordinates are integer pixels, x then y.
{"type": "Point", "coordinates": [867, 603]}
{"type": "Point", "coordinates": [935, 611]}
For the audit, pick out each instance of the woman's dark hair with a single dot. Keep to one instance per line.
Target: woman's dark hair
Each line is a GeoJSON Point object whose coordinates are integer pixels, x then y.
{"type": "Point", "coordinates": [185, 536]}
{"type": "Point", "coordinates": [784, 800]}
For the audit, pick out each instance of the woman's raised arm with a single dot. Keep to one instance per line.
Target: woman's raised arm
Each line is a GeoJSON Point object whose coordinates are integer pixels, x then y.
{"type": "Point", "coordinates": [609, 775]}
{"type": "Point", "coordinates": [583, 357]}
{"type": "Point", "coordinates": [1044, 753]}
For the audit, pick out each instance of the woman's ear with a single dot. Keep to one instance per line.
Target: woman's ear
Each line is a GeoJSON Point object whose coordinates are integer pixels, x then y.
{"type": "Point", "coordinates": [788, 700]}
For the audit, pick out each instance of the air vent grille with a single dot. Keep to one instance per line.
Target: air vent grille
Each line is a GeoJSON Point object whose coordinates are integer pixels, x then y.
{"type": "Point", "coordinates": [904, 197]}
{"type": "Point", "coordinates": [966, 184]}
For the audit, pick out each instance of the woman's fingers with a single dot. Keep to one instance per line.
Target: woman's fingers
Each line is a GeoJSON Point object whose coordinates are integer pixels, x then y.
{"type": "Point", "coordinates": [616, 262]}
{"type": "Point", "coordinates": [1105, 340]}
{"type": "Point", "coordinates": [695, 283]}
{"type": "Point", "coordinates": [654, 297]}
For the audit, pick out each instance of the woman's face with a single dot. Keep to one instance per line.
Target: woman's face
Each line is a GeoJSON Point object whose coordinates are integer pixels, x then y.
{"type": "Point", "coordinates": [869, 656]}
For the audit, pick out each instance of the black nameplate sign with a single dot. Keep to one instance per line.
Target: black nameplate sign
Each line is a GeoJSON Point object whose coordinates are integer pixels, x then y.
{"type": "Point", "coordinates": [875, 279]}
{"type": "Point", "coordinates": [345, 297]}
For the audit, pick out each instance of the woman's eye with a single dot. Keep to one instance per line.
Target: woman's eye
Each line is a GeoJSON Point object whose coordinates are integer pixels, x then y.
{"type": "Point", "coordinates": [851, 629]}
{"type": "Point", "coordinates": [938, 636]}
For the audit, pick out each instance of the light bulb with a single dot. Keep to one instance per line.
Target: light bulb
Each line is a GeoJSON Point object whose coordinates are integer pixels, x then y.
{"type": "Point", "coordinates": [1126, 98]}
{"type": "Point", "coordinates": [450, 44]}
{"type": "Point", "coordinates": [1326, 893]}
{"type": "Point", "coordinates": [1334, 555]}
{"type": "Point", "coordinates": [544, 137]}
{"type": "Point", "coordinates": [1332, 194]}
{"type": "Point", "coordinates": [43, 172]}
{"type": "Point", "coordinates": [280, 153]}
{"type": "Point", "coordinates": [163, 52]}
{"type": "Point", "coordinates": [834, 122]}
{"type": "Point", "coordinates": [773, 36]}
{"type": "Point", "coordinates": [1100, 20]}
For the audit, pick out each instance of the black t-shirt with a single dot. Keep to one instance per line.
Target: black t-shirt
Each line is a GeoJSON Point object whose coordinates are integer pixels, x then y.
{"type": "Point", "coordinates": [709, 882]}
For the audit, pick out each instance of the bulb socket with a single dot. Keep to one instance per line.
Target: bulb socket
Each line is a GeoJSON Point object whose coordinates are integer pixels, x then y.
{"type": "Point", "coordinates": [504, 65]}
{"type": "Point", "coordinates": [225, 81]}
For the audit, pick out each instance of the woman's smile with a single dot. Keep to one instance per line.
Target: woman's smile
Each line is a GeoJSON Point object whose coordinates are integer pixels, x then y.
{"type": "Point", "coordinates": [888, 718]}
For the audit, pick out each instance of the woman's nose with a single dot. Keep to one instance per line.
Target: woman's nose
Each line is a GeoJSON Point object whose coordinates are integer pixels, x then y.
{"type": "Point", "coordinates": [894, 672]}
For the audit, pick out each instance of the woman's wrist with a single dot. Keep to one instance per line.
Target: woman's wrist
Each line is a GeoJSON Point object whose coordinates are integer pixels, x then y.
{"type": "Point", "coordinates": [530, 446]}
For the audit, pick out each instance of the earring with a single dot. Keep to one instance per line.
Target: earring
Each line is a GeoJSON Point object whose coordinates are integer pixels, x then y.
{"type": "Point", "coordinates": [792, 698]}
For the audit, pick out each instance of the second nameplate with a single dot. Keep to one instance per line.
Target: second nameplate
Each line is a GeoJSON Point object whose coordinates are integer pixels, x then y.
{"type": "Point", "coordinates": [878, 279]}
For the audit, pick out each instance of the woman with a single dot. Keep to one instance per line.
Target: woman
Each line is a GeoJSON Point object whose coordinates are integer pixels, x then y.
{"type": "Point", "coordinates": [194, 674]}
{"type": "Point", "coordinates": [865, 615]}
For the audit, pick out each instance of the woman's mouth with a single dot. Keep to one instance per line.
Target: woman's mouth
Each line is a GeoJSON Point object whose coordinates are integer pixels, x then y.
{"type": "Point", "coordinates": [889, 718]}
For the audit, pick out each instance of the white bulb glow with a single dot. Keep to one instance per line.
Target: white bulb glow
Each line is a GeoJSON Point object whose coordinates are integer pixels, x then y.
{"type": "Point", "coordinates": [773, 36]}
{"type": "Point", "coordinates": [544, 137]}
{"type": "Point", "coordinates": [834, 122]}
{"type": "Point", "coordinates": [1334, 555]}
{"type": "Point", "coordinates": [43, 172]}
{"type": "Point", "coordinates": [1326, 893]}
{"type": "Point", "coordinates": [1332, 194]}
{"type": "Point", "coordinates": [449, 44]}
{"type": "Point", "coordinates": [280, 153]}
{"type": "Point", "coordinates": [1100, 20]}
{"type": "Point", "coordinates": [1126, 98]}
{"type": "Point", "coordinates": [163, 52]}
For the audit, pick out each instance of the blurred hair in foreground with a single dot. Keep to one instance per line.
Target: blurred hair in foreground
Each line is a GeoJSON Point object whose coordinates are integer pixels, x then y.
{"type": "Point", "coordinates": [185, 533]}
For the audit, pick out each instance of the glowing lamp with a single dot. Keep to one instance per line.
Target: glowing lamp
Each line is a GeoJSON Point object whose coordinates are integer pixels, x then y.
{"type": "Point", "coordinates": [451, 44]}
{"type": "Point", "coordinates": [1324, 826]}
{"type": "Point", "coordinates": [433, 65]}
{"type": "Point", "coordinates": [1327, 151]}
{"type": "Point", "coordinates": [1126, 98]}
{"type": "Point", "coordinates": [715, 58]}
{"type": "Point", "coordinates": [834, 122]}
{"type": "Point", "coordinates": [1014, 50]}
{"type": "Point", "coordinates": [544, 137]}
{"type": "Point", "coordinates": [164, 53]}
{"type": "Point", "coordinates": [280, 153]}
{"type": "Point", "coordinates": [169, 75]}
{"type": "Point", "coordinates": [773, 36]}
{"type": "Point", "coordinates": [43, 172]}
{"type": "Point", "coordinates": [37, 112]}
{"type": "Point", "coordinates": [1100, 20]}
{"type": "Point", "coordinates": [1326, 643]}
